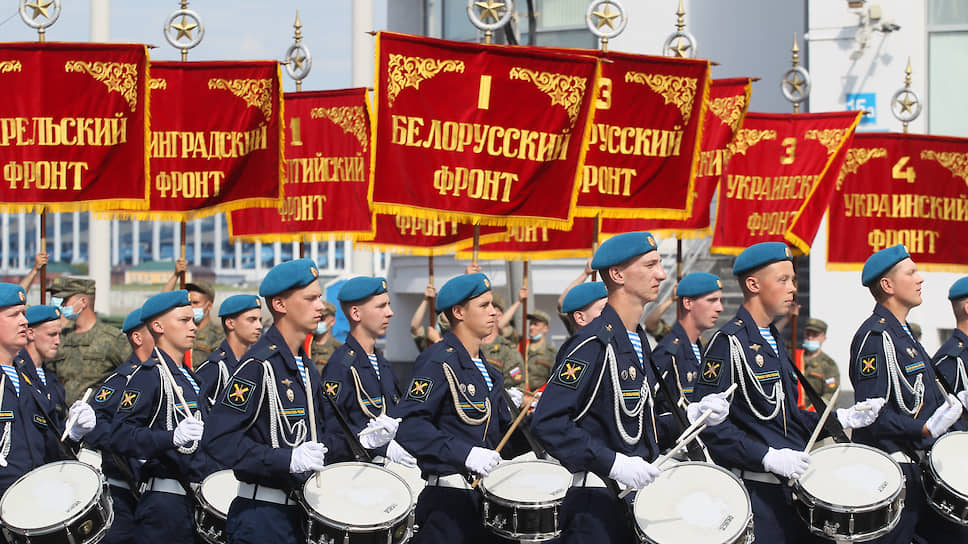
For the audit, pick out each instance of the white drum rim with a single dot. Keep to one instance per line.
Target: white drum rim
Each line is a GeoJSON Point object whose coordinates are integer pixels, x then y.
{"type": "Point", "coordinates": [491, 495]}
{"type": "Point", "coordinates": [204, 501]}
{"type": "Point", "coordinates": [869, 507]}
{"type": "Point", "coordinates": [744, 526]}
{"type": "Point", "coordinates": [343, 526]}
{"type": "Point", "coordinates": [947, 437]}
{"type": "Point", "coordinates": [67, 522]}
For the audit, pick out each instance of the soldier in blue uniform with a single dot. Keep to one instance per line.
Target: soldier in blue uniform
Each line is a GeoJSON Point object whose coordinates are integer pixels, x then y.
{"type": "Point", "coordinates": [762, 442]}
{"type": "Point", "coordinates": [261, 425]}
{"type": "Point", "coordinates": [583, 303]}
{"type": "Point", "coordinates": [454, 415]}
{"type": "Point", "coordinates": [359, 380]}
{"type": "Point", "coordinates": [121, 473]}
{"type": "Point", "coordinates": [43, 339]}
{"type": "Point", "coordinates": [598, 414]}
{"type": "Point", "coordinates": [885, 359]}
{"type": "Point", "coordinates": [679, 354]}
{"type": "Point", "coordinates": [160, 419]}
{"type": "Point", "coordinates": [951, 359]}
{"type": "Point", "coordinates": [241, 317]}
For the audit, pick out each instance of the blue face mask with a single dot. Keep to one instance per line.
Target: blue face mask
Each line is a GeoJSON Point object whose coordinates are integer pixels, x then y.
{"type": "Point", "coordinates": [68, 313]}
{"type": "Point", "coordinates": [321, 328]}
{"type": "Point", "coordinates": [536, 337]}
{"type": "Point", "coordinates": [811, 345]}
{"type": "Point", "coordinates": [56, 301]}
{"type": "Point", "coordinates": [198, 315]}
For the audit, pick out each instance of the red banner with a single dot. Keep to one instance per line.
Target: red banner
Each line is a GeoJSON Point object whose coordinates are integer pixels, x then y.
{"type": "Point", "coordinates": [216, 138]}
{"type": "Point", "coordinates": [781, 171]}
{"type": "Point", "coordinates": [539, 243]}
{"type": "Point", "coordinates": [726, 108]}
{"type": "Point", "coordinates": [328, 170]}
{"type": "Point", "coordinates": [644, 144]}
{"type": "Point", "coordinates": [901, 189]}
{"type": "Point", "coordinates": [480, 133]}
{"type": "Point", "coordinates": [422, 236]}
{"type": "Point", "coordinates": [73, 126]}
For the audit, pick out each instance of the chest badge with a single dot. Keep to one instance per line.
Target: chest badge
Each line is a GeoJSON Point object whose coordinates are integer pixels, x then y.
{"type": "Point", "coordinates": [290, 395]}
{"type": "Point", "coordinates": [471, 390]}
{"type": "Point", "coordinates": [691, 376]}
{"type": "Point", "coordinates": [625, 374]}
{"type": "Point", "coordinates": [632, 372]}
{"type": "Point", "coordinates": [462, 387]}
{"type": "Point", "coordinates": [755, 347]}
{"type": "Point", "coordinates": [759, 359]}
{"type": "Point", "coordinates": [912, 352]}
{"type": "Point", "coordinates": [287, 382]}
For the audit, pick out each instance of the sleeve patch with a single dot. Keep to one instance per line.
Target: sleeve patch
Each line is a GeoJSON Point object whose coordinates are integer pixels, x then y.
{"type": "Point", "coordinates": [128, 400]}
{"type": "Point", "coordinates": [419, 389]}
{"type": "Point", "coordinates": [570, 373]}
{"type": "Point", "coordinates": [868, 365]}
{"type": "Point", "coordinates": [40, 420]}
{"type": "Point", "coordinates": [332, 388]}
{"type": "Point", "coordinates": [711, 371]}
{"type": "Point", "coordinates": [104, 394]}
{"type": "Point", "coordinates": [237, 393]}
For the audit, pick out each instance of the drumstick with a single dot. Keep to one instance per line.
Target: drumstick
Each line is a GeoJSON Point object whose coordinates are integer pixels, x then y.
{"type": "Point", "coordinates": [823, 419]}
{"type": "Point", "coordinates": [699, 421]}
{"type": "Point", "coordinates": [365, 432]}
{"type": "Point", "coordinates": [507, 436]}
{"type": "Point", "coordinates": [73, 418]}
{"type": "Point", "coordinates": [685, 440]}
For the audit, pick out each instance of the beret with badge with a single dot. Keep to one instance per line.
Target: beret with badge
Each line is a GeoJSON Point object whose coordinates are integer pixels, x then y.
{"type": "Point", "coordinates": [162, 302]}
{"type": "Point", "coordinates": [622, 247]}
{"type": "Point", "coordinates": [879, 263]}
{"type": "Point", "coordinates": [696, 284]}
{"type": "Point", "coordinates": [582, 295]}
{"type": "Point", "coordinates": [42, 313]}
{"type": "Point", "coordinates": [361, 287]}
{"type": "Point", "coordinates": [288, 275]}
{"type": "Point", "coordinates": [759, 255]}
{"type": "Point", "coordinates": [12, 295]}
{"type": "Point", "coordinates": [462, 288]}
{"type": "Point", "coordinates": [236, 304]}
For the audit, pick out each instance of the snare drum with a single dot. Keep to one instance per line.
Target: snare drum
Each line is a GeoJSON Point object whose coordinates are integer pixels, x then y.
{"type": "Point", "coordinates": [851, 492]}
{"type": "Point", "coordinates": [90, 457]}
{"type": "Point", "coordinates": [694, 502]}
{"type": "Point", "coordinates": [215, 496]}
{"type": "Point", "coordinates": [522, 499]}
{"type": "Point", "coordinates": [358, 503]}
{"type": "Point", "coordinates": [66, 501]}
{"type": "Point", "coordinates": [945, 477]}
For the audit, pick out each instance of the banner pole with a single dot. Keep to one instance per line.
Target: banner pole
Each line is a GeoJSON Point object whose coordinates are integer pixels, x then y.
{"type": "Point", "coordinates": [524, 329]}
{"type": "Point", "coordinates": [431, 318]}
{"type": "Point", "coordinates": [43, 249]}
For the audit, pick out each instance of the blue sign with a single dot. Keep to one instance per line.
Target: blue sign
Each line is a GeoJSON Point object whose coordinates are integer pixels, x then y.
{"type": "Point", "coordinates": [866, 102]}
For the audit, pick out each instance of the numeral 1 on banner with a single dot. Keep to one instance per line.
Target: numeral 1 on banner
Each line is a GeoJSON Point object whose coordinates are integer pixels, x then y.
{"type": "Point", "coordinates": [484, 93]}
{"type": "Point", "coordinates": [294, 128]}
{"type": "Point", "coordinates": [899, 172]}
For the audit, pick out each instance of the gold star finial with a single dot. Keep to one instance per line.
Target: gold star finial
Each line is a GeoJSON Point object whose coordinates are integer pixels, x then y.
{"type": "Point", "coordinates": [184, 28]}
{"type": "Point", "coordinates": [298, 60]}
{"type": "Point", "coordinates": [606, 17]}
{"type": "Point", "coordinates": [680, 47]}
{"type": "Point", "coordinates": [489, 9]}
{"type": "Point", "coordinates": [796, 83]}
{"type": "Point", "coordinates": [39, 8]}
{"type": "Point", "coordinates": [907, 103]}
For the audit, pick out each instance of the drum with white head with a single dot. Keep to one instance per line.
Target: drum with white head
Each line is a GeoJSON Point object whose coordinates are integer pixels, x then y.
{"type": "Point", "coordinates": [945, 477]}
{"type": "Point", "coordinates": [522, 499]}
{"type": "Point", "coordinates": [215, 496]}
{"type": "Point", "coordinates": [66, 501]}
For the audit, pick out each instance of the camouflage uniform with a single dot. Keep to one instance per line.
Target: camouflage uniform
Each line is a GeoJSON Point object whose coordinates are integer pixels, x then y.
{"type": "Point", "coordinates": [86, 359]}
{"type": "Point", "coordinates": [506, 359]}
{"type": "Point", "coordinates": [541, 357]}
{"type": "Point", "coordinates": [207, 339]}
{"type": "Point", "coordinates": [322, 352]}
{"type": "Point", "coordinates": [822, 373]}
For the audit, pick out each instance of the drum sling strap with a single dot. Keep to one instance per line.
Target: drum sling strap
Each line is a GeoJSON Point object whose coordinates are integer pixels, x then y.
{"type": "Point", "coordinates": [832, 425]}
{"type": "Point", "coordinates": [694, 450]}
{"type": "Point", "coordinates": [359, 452]}
{"type": "Point", "coordinates": [525, 430]}
{"type": "Point", "coordinates": [950, 390]}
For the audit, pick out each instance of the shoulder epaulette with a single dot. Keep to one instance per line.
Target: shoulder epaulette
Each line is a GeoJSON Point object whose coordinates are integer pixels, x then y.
{"type": "Point", "coordinates": [348, 358]}
{"type": "Point", "coordinates": [878, 325]}
{"type": "Point", "coordinates": [952, 348]}
{"type": "Point", "coordinates": [443, 355]}
{"type": "Point", "coordinates": [264, 353]}
{"type": "Point", "coordinates": [126, 369]}
{"type": "Point", "coordinates": [152, 361]}
{"type": "Point", "coordinates": [605, 333]}
{"type": "Point", "coordinates": [732, 326]}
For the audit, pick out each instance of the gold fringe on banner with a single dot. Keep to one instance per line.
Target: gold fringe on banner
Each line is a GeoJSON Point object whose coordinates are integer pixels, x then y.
{"type": "Point", "coordinates": [526, 255]}
{"type": "Point", "coordinates": [470, 217]}
{"type": "Point", "coordinates": [99, 206]}
{"type": "Point", "coordinates": [162, 215]}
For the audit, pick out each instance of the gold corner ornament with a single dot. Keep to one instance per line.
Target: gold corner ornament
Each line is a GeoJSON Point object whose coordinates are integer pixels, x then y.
{"type": "Point", "coordinates": [956, 163]}
{"type": "Point", "coordinates": [10, 66]}
{"type": "Point", "coordinates": [564, 90]}
{"type": "Point", "coordinates": [729, 109]}
{"type": "Point", "coordinates": [404, 71]}
{"type": "Point", "coordinates": [748, 137]}
{"type": "Point", "coordinates": [829, 138]}
{"type": "Point", "coordinates": [119, 77]}
{"type": "Point", "coordinates": [352, 119]}
{"type": "Point", "coordinates": [857, 157]}
{"type": "Point", "coordinates": [674, 89]}
{"type": "Point", "coordinates": [255, 92]}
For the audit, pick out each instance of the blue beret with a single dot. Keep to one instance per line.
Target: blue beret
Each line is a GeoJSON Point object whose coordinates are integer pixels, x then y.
{"type": "Point", "coordinates": [42, 314]}
{"type": "Point", "coordinates": [761, 254]}
{"type": "Point", "coordinates": [237, 304]}
{"type": "Point", "coordinates": [12, 295]}
{"type": "Point", "coordinates": [361, 287]}
{"type": "Point", "coordinates": [284, 276]}
{"type": "Point", "coordinates": [698, 283]}
{"type": "Point", "coordinates": [461, 288]}
{"type": "Point", "coordinates": [622, 247]}
{"type": "Point", "coordinates": [162, 302]}
{"type": "Point", "coordinates": [959, 289]}
{"type": "Point", "coordinates": [582, 295]}
{"type": "Point", "coordinates": [882, 261]}
{"type": "Point", "coordinates": [132, 322]}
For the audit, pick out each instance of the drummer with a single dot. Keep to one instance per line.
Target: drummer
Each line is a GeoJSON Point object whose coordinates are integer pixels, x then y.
{"type": "Point", "coordinates": [357, 377]}
{"type": "Point", "coordinates": [679, 354]}
{"type": "Point", "coordinates": [241, 317]}
{"type": "Point", "coordinates": [160, 419]}
{"type": "Point", "coordinates": [763, 439]}
{"type": "Point", "coordinates": [122, 474]}
{"type": "Point", "coordinates": [950, 361]}
{"type": "Point", "coordinates": [43, 339]}
{"type": "Point", "coordinates": [24, 421]}
{"type": "Point", "coordinates": [885, 356]}
{"type": "Point", "coordinates": [454, 415]}
{"type": "Point", "coordinates": [607, 427]}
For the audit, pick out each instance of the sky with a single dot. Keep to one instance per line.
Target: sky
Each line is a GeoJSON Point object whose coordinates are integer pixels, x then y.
{"type": "Point", "coordinates": [234, 30]}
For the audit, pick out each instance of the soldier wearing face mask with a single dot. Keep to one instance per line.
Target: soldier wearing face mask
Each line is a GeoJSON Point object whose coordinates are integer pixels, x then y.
{"type": "Point", "coordinates": [90, 350]}
{"type": "Point", "coordinates": [324, 343]}
{"type": "Point", "coordinates": [820, 370]}
{"type": "Point", "coordinates": [209, 334]}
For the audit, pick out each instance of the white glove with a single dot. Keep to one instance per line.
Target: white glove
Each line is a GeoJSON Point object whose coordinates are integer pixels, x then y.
{"type": "Point", "coordinates": [633, 472]}
{"type": "Point", "coordinates": [307, 456]}
{"type": "Point", "coordinates": [188, 430]}
{"type": "Point", "coordinates": [963, 397]}
{"type": "Point", "coordinates": [397, 454]}
{"type": "Point", "coordinates": [861, 414]}
{"type": "Point", "coordinates": [516, 396]}
{"type": "Point", "coordinates": [482, 460]}
{"type": "Point", "coordinates": [786, 462]}
{"type": "Point", "coordinates": [3, 460]}
{"type": "Point", "coordinates": [84, 421]}
{"type": "Point", "coordinates": [716, 402]}
{"type": "Point", "coordinates": [379, 432]}
{"type": "Point", "coordinates": [944, 417]}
